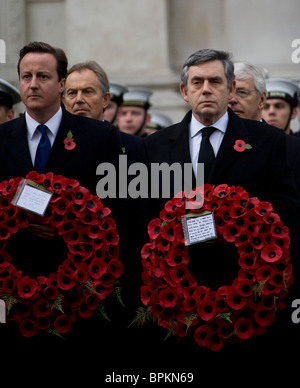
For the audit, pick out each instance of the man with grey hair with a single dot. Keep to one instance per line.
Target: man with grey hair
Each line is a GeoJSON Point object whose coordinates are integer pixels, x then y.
{"type": "Point", "coordinates": [87, 90]}
{"type": "Point", "coordinates": [250, 93]}
{"type": "Point", "coordinates": [212, 134]}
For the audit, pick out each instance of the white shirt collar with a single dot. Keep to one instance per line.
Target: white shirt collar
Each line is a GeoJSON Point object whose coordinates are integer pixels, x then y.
{"type": "Point", "coordinates": [196, 126]}
{"type": "Point", "coordinates": [52, 124]}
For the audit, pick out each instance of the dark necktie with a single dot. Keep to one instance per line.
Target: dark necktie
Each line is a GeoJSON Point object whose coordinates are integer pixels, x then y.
{"type": "Point", "coordinates": [43, 150]}
{"type": "Point", "coordinates": [206, 154]}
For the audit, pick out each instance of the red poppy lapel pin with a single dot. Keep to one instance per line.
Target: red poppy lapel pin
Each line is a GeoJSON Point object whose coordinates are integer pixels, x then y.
{"type": "Point", "coordinates": [69, 141]}
{"type": "Point", "coordinates": [241, 146]}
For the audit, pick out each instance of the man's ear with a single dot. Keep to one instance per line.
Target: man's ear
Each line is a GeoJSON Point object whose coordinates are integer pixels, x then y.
{"type": "Point", "coordinates": [10, 114]}
{"type": "Point", "coordinates": [106, 100]}
{"type": "Point", "coordinates": [232, 90]}
{"type": "Point", "coordinates": [184, 93]}
{"type": "Point", "coordinates": [148, 119]}
{"type": "Point", "coordinates": [263, 99]}
{"type": "Point", "coordinates": [294, 113]}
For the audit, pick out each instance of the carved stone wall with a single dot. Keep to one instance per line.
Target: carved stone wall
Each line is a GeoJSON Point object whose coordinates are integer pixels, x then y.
{"type": "Point", "coordinates": [145, 43]}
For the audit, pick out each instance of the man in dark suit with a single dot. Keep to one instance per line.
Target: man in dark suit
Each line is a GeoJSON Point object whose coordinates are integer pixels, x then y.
{"type": "Point", "coordinates": [42, 72]}
{"type": "Point", "coordinates": [207, 83]}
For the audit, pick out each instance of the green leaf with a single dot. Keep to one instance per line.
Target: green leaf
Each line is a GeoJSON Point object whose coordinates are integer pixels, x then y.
{"type": "Point", "coordinates": [10, 301]}
{"type": "Point", "coordinates": [55, 332]}
{"type": "Point", "coordinates": [189, 318]}
{"type": "Point", "coordinates": [257, 288]}
{"type": "Point", "coordinates": [70, 134]}
{"type": "Point", "coordinates": [57, 304]}
{"type": "Point", "coordinates": [102, 312]}
{"type": "Point", "coordinates": [142, 316]}
{"type": "Point", "coordinates": [248, 147]}
{"type": "Point", "coordinates": [226, 315]}
{"type": "Point", "coordinates": [117, 294]}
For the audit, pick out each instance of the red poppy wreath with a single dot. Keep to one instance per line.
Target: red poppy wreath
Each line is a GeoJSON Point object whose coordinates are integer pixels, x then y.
{"type": "Point", "coordinates": [232, 313]}
{"type": "Point", "coordinates": [86, 276]}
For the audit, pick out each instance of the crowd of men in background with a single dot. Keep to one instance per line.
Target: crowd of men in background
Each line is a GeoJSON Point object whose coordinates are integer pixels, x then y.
{"type": "Point", "coordinates": [90, 93]}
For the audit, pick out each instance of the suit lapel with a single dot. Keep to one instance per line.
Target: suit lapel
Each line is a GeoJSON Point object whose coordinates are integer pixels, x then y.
{"type": "Point", "coordinates": [179, 142]}
{"type": "Point", "coordinates": [180, 152]}
{"type": "Point", "coordinates": [227, 155]}
{"type": "Point", "coordinates": [59, 154]}
{"type": "Point", "coordinates": [17, 145]}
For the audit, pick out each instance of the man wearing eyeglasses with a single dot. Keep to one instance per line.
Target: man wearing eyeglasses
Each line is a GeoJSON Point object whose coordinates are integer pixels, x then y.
{"type": "Point", "coordinates": [250, 93]}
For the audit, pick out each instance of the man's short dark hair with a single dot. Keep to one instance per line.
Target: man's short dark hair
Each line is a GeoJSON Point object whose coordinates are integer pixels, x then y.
{"type": "Point", "coordinates": [207, 55]}
{"type": "Point", "coordinates": [42, 47]}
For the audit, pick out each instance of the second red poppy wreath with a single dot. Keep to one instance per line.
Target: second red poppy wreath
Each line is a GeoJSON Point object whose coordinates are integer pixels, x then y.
{"type": "Point", "coordinates": [233, 312]}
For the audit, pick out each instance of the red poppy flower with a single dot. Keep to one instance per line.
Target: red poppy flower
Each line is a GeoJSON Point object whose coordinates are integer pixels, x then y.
{"type": "Point", "coordinates": [271, 253]}
{"type": "Point", "coordinates": [97, 268]}
{"type": "Point", "coordinates": [177, 256]}
{"type": "Point", "coordinates": [168, 297]}
{"type": "Point", "coordinates": [65, 281]}
{"type": "Point", "coordinates": [41, 308]}
{"type": "Point", "coordinates": [107, 280]}
{"type": "Point", "coordinates": [182, 330]}
{"type": "Point", "coordinates": [92, 302]}
{"type": "Point", "coordinates": [167, 231]}
{"type": "Point", "coordinates": [62, 323]}
{"type": "Point", "coordinates": [263, 272]}
{"type": "Point", "coordinates": [69, 143]}
{"type": "Point", "coordinates": [115, 267]}
{"type": "Point", "coordinates": [244, 328]}
{"type": "Point", "coordinates": [189, 303]}
{"type": "Point", "coordinates": [216, 341]}
{"type": "Point", "coordinates": [146, 295]}
{"type": "Point", "coordinates": [206, 310]}
{"type": "Point", "coordinates": [248, 261]}
{"type": "Point", "coordinates": [221, 191]}
{"type": "Point", "coordinates": [202, 336]}
{"type": "Point", "coordinates": [264, 317]}
{"type": "Point", "coordinates": [235, 299]}
{"type": "Point", "coordinates": [154, 228]}
{"type": "Point", "coordinates": [51, 292]}
{"type": "Point", "coordinates": [271, 218]}
{"type": "Point", "coordinates": [157, 309]}
{"type": "Point", "coordinates": [239, 146]}
{"type": "Point", "coordinates": [147, 250]}
{"type": "Point", "coordinates": [280, 231]}
{"type": "Point", "coordinates": [175, 204]}
{"type": "Point", "coordinates": [262, 208]}
{"type": "Point", "coordinates": [28, 328]}
{"type": "Point", "coordinates": [111, 237]}
{"type": "Point", "coordinates": [177, 273]}
{"type": "Point", "coordinates": [8, 285]}
{"type": "Point", "coordinates": [27, 287]}
{"type": "Point", "coordinates": [224, 328]}
{"type": "Point", "coordinates": [231, 232]}
{"type": "Point", "coordinates": [245, 288]}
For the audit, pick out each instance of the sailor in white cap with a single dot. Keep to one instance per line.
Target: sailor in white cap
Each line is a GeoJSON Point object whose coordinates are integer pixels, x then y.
{"type": "Point", "coordinates": [297, 82]}
{"type": "Point", "coordinates": [158, 121]}
{"type": "Point", "coordinates": [133, 116]}
{"type": "Point", "coordinates": [116, 91]}
{"type": "Point", "coordinates": [282, 100]}
{"type": "Point", "coordinates": [9, 96]}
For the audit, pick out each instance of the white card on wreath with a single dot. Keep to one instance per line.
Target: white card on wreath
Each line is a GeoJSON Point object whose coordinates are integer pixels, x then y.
{"type": "Point", "coordinates": [32, 197]}
{"type": "Point", "coordinates": [199, 228]}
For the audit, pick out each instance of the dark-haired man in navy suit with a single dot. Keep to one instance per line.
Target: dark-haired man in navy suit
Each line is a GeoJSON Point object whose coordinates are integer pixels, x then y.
{"type": "Point", "coordinates": [42, 71]}
{"type": "Point", "coordinates": [207, 83]}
